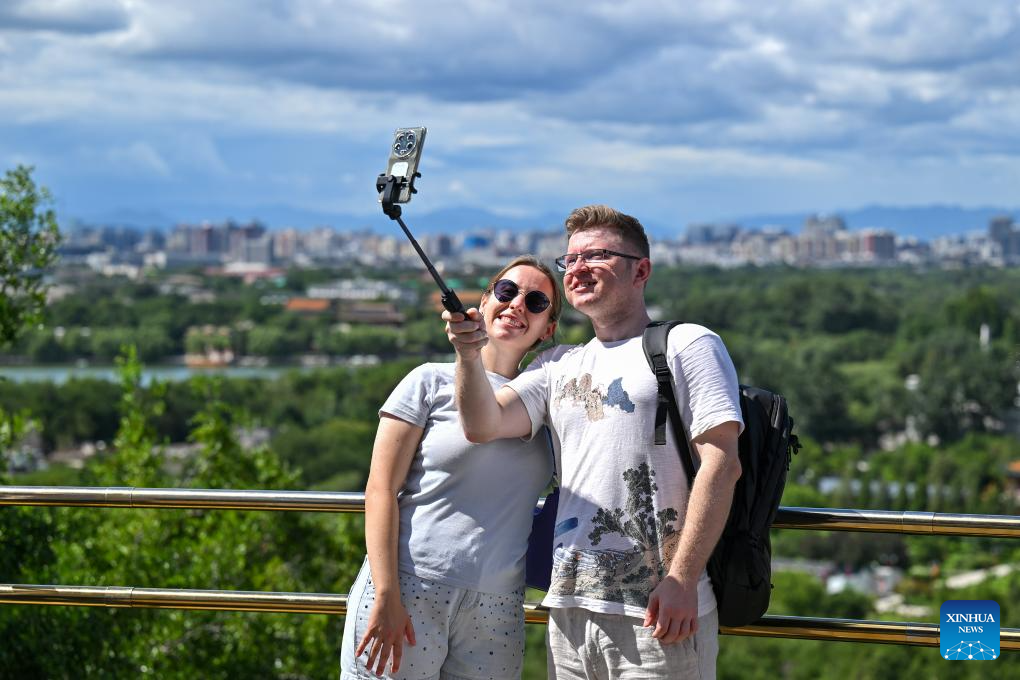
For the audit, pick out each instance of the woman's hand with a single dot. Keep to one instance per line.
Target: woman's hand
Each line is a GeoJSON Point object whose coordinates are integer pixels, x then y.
{"type": "Point", "coordinates": [388, 626]}
{"type": "Point", "coordinates": [466, 332]}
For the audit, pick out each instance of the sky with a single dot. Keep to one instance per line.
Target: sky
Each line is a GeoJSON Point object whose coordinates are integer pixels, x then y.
{"type": "Point", "coordinates": [672, 111]}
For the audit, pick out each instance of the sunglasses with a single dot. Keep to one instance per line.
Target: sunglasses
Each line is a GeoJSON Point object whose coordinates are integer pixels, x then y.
{"type": "Point", "coordinates": [506, 290]}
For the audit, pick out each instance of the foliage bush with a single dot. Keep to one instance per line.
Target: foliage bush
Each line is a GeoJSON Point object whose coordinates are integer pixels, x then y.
{"type": "Point", "coordinates": [204, 549]}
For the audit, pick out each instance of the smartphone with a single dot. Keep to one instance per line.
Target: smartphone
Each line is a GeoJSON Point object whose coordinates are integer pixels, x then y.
{"type": "Point", "coordinates": [405, 152]}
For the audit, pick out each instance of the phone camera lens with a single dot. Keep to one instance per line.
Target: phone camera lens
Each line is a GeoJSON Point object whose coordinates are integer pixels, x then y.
{"type": "Point", "coordinates": [404, 143]}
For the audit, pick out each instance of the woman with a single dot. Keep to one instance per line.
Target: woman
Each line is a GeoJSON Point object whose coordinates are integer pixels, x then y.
{"type": "Point", "coordinates": [447, 521]}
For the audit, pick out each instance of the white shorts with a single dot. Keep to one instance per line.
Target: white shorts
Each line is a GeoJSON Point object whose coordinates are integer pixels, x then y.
{"type": "Point", "coordinates": [582, 645]}
{"type": "Point", "coordinates": [461, 634]}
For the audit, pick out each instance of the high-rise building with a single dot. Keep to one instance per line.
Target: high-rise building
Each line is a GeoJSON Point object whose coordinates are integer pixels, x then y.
{"type": "Point", "coordinates": [877, 245]}
{"type": "Point", "coordinates": [1005, 235]}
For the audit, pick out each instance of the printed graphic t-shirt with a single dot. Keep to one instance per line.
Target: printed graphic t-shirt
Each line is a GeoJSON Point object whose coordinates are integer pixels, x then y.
{"type": "Point", "coordinates": [465, 509]}
{"type": "Point", "coordinates": [623, 499]}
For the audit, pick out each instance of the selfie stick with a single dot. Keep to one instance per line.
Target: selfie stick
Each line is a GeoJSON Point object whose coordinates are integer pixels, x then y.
{"type": "Point", "coordinates": [389, 187]}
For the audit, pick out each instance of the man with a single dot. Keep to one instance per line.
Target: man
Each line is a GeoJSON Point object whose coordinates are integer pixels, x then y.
{"type": "Point", "coordinates": [629, 597]}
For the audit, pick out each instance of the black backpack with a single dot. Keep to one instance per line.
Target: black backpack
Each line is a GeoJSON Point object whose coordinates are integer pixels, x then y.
{"type": "Point", "coordinates": [741, 564]}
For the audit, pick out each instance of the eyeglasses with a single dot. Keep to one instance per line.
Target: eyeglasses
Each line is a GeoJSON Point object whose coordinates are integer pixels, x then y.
{"type": "Point", "coordinates": [565, 262]}
{"type": "Point", "coordinates": [506, 290]}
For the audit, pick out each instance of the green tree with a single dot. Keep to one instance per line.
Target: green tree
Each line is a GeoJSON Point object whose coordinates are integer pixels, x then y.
{"type": "Point", "coordinates": [44, 348]}
{"type": "Point", "coordinates": [28, 246]}
{"type": "Point", "coordinates": [205, 549]}
{"type": "Point", "coordinates": [864, 495]}
{"type": "Point", "coordinates": [903, 500]}
{"type": "Point", "coordinates": [883, 496]}
{"type": "Point", "coordinates": [963, 387]}
{"type": "Point", "coordinates": [979, 305]}
{"type": "Point", "coordinates": [339, 450]}
{"type": "Point", "coordinates": [28, 242]}
{"type": "Point", "coordinates": [425, 336]}
{"type": "Point", "coordinates": [270, 341]}
{"type": "Point", "coordinates": [107, 342]}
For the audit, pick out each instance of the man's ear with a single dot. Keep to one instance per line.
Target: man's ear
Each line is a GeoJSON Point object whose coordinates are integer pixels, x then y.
{"type": "Point", "coordinates": [642, 271]}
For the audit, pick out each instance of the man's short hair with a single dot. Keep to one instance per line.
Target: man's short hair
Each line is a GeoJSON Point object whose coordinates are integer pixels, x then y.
{"type": "Point", "coordinates": [604, 217]}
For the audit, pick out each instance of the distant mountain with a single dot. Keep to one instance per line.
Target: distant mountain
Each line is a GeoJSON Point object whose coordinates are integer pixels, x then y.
{"type": "Point", "coordinates": [926, 222]}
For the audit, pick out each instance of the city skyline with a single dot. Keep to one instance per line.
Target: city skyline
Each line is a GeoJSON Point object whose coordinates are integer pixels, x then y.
{"type": "Point", "coordinates": [253, 248]}
{"type": "Point", "coordinates": [677, 114]}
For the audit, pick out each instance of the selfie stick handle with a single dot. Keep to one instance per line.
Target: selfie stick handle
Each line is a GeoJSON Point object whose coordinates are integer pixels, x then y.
{"type": "Point", "coordinates": [390, 186]}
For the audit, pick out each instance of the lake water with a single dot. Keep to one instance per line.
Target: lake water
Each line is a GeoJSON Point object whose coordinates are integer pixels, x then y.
{"type": "Point", "coordinates": [61, 374]}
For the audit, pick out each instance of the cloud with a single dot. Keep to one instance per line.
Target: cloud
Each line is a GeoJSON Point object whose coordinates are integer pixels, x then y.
{"type": "Point", "coordinates": [650, 62]}
{"type": "Point", "coordinates": [526, 101]}
{"type": "Point", "coordinates": [667, 163]}
{"type": "Point", "coordinates": [916, 33]}
{"type": "Point", "coordinates": [681, 86]}
{"type": "Point", "coordinates": [138, 157]}
{"type": "Point", "coordinates": [198, 152]}
{"type": "Point", "coordinates": [459, 51]}
{"type": "Point", "coordinates": [64, 16]}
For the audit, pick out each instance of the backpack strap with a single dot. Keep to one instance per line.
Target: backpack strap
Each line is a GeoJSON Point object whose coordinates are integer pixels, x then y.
{"type": "Point", "coordinates": [552, 453]}
{"type": "Point", "coordinates": [653, 341]}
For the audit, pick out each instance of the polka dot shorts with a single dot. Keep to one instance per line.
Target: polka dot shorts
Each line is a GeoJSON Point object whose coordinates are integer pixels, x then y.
{"type": "Point", "coordinates": [460, 633]}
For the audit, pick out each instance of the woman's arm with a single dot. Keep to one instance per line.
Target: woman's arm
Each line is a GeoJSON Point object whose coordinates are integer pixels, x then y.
{"type": "Point", "coordinates": [388, 624]}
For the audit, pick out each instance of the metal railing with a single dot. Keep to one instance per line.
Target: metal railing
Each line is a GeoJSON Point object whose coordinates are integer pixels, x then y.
{"type": "Point", "coordinates": [827, 519]}
{"type": "Point", "coordinates": [799, 627]}
{"type": "Point", "coordinates": [810, 628]}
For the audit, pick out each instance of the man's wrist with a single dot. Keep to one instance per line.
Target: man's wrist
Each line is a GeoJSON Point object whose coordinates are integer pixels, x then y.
{"type": "Point", "coordinates": [685, 575]}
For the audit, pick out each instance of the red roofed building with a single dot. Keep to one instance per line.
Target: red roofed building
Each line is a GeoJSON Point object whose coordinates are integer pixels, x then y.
{"type": "Point", "coordinates": [311, 306]}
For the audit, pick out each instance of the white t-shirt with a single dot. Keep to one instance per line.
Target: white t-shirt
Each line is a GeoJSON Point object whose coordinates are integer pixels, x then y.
{"type": "Point", "coordinates": [623, 499]}
{"type": "Point", "coordinates": [465, 509]}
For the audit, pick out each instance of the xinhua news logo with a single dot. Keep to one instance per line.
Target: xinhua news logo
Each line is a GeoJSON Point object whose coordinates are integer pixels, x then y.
{"type": "Point", "coordinates": [969, 630]}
